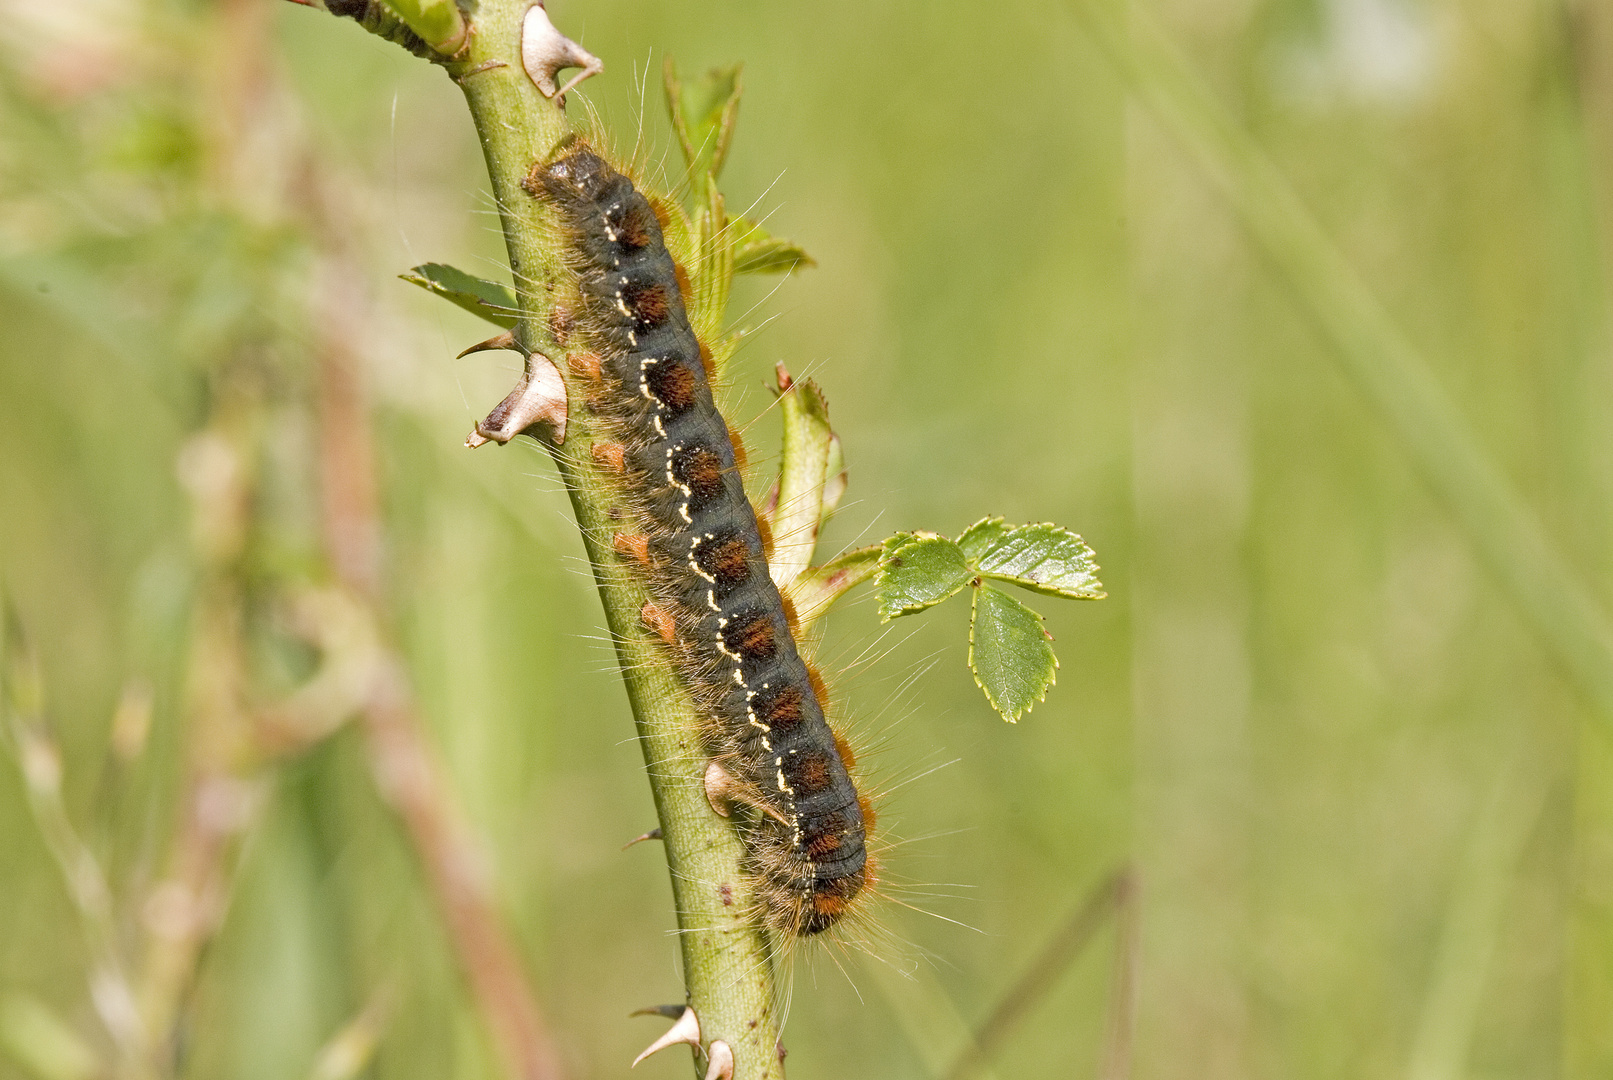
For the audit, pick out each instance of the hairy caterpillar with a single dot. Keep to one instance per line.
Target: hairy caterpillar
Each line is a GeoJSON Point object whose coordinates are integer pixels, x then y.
{"type": "Point", "coordinates": [704, 554]}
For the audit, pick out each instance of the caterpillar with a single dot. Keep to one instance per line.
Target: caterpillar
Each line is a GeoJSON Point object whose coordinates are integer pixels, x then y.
{"type": "Point", "coordinates": [703, 553]}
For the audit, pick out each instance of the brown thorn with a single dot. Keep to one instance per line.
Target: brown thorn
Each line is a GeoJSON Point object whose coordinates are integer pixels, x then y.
{"type": "Point", "coordinates": [506, 340]}
{"type": "Point", "coordinates": [653, 834]}
{"type": "Point", "coordinates": [784, 380]}
{"type": "Point", "coordinates": [723, 789]}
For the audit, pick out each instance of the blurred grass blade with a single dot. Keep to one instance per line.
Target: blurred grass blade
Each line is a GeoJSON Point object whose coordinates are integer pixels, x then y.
{"type": "Point", "coordinates": [1037, 981]}
{"type": "Point", "coordinates": [488, 299]}
{"type": "Point", "coordinates": [1374, 353]}
{"type": "Point", "coordinates": [43, 1043]}
{"type": "Point", "coordinates": [350, 1050]}
{"type": "Point", "coordinates": [1473, 925]}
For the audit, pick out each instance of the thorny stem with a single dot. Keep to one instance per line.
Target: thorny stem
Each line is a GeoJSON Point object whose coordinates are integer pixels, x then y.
{"type": "Point", "coordinates": [726, 954]}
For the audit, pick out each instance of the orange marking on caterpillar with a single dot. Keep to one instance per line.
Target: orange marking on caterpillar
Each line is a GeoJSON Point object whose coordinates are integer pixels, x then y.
{"type": "Point", "coordinates": [657, 619]}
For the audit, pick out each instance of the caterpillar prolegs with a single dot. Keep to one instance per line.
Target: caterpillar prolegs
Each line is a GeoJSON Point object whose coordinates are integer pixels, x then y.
{"type": "Point", "coordinates": [703, 554]}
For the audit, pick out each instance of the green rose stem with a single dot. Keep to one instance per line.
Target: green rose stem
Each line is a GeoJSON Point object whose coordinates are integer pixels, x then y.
{"type": "Point", "coordinates": [726, 955]}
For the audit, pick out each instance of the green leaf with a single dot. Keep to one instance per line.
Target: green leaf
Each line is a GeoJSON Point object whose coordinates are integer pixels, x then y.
{"type": "Point", "coordinates": [803, 468]}
{"type": "Point", "coordinates": [835, 479]}
{"type": "Point", "coordinates": [917, 572]}
{"type": "Point", "coordinates": [978, 538]}
{"type": "Point", "coordinates": [757, 252]}
{"type": "Point", "coordinates": [1009, 652]}
{"type": "Point", "coordinates": [494, 302]}
{"type": "Point", "coordinates": [771, 257]}
{"type": "Point", "coordinates": [815, 590]}
{"type": "Point", "coordinates": [703, 114]}
{"type": "Point", "coordinates": [1045, 558]}
{"type": "Point", "coordinates": [713, 270]}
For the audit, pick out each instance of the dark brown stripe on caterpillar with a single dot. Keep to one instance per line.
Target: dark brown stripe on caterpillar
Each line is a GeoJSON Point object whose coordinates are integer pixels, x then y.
{"type": "Point", "coordinates": [700, 549]}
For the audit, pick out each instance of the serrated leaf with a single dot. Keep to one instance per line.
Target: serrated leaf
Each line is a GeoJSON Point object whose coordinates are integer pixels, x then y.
{"type": "Point", "coordinates": [703, 114]}
{"type": "Point", "coordinates": [756, 251]}
{"type": "Point", "coordinates": [980, 537]}
{"type": "Point", "coordinates": [771, 257]}
{"type": "Point", "coordinates": [917, 572]}
{"type": "Point", "coordinates": [1010, 654]}
{"type": "Point", "coordinates": [492, 301]}
{"type": "Point", "coordinates": [1045, 558]}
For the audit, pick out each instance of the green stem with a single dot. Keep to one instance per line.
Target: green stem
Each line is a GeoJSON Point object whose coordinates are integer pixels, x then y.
{"type": "Point", "coordinates": [438, 22]}
{"type": "Point", "coordinates": [726, 953]}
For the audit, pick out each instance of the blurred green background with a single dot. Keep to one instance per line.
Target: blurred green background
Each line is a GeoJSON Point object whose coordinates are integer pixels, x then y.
{"type": "Point", "coordinates": [1372, 826]}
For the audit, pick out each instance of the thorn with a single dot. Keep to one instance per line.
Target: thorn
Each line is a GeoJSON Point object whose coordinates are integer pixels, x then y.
{"type": "Point", "coordinates": [784, 380]}
{"type": "Point", "coordinates": [545, 52]}
{"type": "Point", "coordinates": [723, 789]}
{"type": "Point", "coordinates": [722, 1062]}
{"type": "Point", "coordinates": [506, 340]}
{"type": "Point", "coordinates": [719, 788]}
{"type": "Point", "coordinates": [671, 1012]}
{"type": "Point", "coordinates": [653, 834]}
{"type": "Point", "coordinates": [539, 398]}
{"type": "Point", "coordinates": [686, 1030]}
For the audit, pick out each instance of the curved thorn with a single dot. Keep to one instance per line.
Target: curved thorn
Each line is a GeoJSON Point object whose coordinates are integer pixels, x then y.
{"type": "Point", "coordinates": [539, 398]}
{"type": "Point", "coordinates": [506, 340]}
{"type": "Point", "coordinates": [686, 1030]}
{"type": "Point", "coordinates": [653, 834]}
{"type": "Point", "coordinates": [722, 1062]}
{"type": "Point", "coordinates": [545, 51]}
